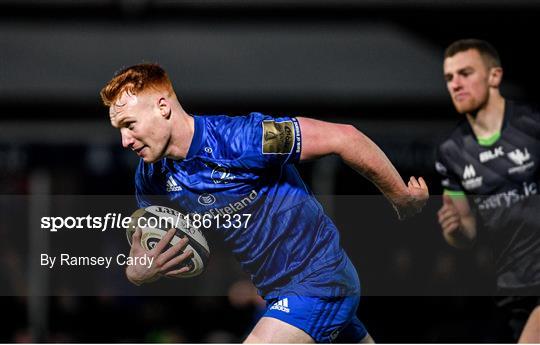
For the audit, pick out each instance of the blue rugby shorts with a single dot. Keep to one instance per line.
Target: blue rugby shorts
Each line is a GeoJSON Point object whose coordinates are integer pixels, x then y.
{"type": "Point", "coordinates": [325, 319]}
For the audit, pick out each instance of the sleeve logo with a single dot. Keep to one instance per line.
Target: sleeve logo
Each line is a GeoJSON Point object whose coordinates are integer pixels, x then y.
{"type": "Point", "coordinates": [277, 137]}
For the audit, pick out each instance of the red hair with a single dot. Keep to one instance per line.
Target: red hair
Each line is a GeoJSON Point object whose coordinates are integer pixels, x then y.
{"type": "Point", "coordinates": [136, 79]}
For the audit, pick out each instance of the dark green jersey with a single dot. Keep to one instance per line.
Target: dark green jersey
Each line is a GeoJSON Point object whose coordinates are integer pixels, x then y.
{"type": "Point", "coordinates": [501, 178]}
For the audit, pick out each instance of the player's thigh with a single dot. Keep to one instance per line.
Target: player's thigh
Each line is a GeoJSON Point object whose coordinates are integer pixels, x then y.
{"type": "Point", "coordinates": [270, 330]}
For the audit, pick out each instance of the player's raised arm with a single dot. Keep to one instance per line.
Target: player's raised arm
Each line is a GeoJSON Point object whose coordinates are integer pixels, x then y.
{"type": "Point", "coordinates": [320, 138]}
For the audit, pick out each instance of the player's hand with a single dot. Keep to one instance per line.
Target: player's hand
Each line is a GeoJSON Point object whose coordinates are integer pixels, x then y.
{"type": "Point", "coordinates": [448, 217]}
{"type": "Point", "coordinates": [163, 260]}
{"type": "Point", "coordinates": [416, 199]}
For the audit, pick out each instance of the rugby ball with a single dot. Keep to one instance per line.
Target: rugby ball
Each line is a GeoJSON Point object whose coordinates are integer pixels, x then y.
{"type": "Point", "coordinates": [154, 222]}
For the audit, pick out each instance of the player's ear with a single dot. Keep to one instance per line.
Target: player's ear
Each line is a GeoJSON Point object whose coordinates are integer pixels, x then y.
{"type": "Point", "coordinates": [495, 76]}
{"type": "Point", "coordinates": [164, 107]}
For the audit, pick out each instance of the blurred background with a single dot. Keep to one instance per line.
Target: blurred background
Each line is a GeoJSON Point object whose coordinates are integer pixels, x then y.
{"type": "Point", "coordinates": [376, 64]}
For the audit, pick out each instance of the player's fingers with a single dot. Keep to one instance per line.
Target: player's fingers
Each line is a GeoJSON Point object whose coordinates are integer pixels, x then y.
{"type": "Point", "coordinates": [136, 239]}
{"type": "Point", "coordinates": [177, 260]}
{"type": "Point", "coordinates": [177, 272]}
{"type": "Point", "coordinates": [448, 212]}
{"type": "Point", "coordinates": [415, 182]}
{"type": "Point", "coordinates": [442, 216]}
{"type": "Point", "coordinates": [450, 226]}
{"type": "Point", "coordinates": [450, 223]}
{"type": "Point", "coordinates": [440, 212]}
{"type": "Point", "coordinates": [423, 183]}
{"type": "Point", "coordinates": [164, 241]}
{"type": "Point", "coordinates": [448, 215]}
{"type": "Point", "coordinates": [174, 250]}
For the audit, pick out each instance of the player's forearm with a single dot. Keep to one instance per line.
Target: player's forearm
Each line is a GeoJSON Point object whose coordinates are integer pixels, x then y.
{"type": "Point", "coordinates": [363, 155]}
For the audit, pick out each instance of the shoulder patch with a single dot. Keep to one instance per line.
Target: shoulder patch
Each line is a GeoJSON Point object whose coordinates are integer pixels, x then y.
{"type": "Point", "coordinates": [277, 137]}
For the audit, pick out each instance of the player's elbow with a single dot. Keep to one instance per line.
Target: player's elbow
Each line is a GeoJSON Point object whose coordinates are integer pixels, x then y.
{"type": "Point", "coordinates": [343, 137]}
{"type": "Point", "coordinates": [348, 130]}
{"type": "Point", "coordinates": [322, 138]}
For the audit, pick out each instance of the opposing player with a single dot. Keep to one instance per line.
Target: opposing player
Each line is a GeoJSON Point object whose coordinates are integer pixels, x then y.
{"type": "Point", "coordinates": [491, 159]}
{"type": "Point", "coordinates": [218, 165]}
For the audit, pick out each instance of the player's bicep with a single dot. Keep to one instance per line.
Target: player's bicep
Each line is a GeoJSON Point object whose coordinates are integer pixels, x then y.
{"type": "Point", "coordinates": [319, 138]}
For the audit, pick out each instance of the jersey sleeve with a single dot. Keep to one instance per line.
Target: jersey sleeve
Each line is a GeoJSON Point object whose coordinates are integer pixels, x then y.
{"type": "Point", "coordinates": [449, 180]}
{"type": "Point", "coordinates": [267, 141]}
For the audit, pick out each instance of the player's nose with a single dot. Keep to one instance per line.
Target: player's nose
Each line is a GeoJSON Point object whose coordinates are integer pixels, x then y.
{"type": "Point", "coordinates": [456, 84]}
{"type": "Point", "coordinates": [127, 139]}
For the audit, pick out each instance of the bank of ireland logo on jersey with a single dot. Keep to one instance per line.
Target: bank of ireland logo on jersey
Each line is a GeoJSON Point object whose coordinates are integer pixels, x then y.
{"type": "Point", "coordinates": [470, 180]}
{"type": "Point", "coordinates": [206, 199]}
{"type": "Point", "coordinates": [281, 305]}
{"type": "Point", "coordinates": [172, 186]}
{"type": "Point", "coordinates": [520, 158]}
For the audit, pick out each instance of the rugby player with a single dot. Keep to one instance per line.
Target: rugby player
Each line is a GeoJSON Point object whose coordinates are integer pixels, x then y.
{"type": "Point", "coordinates": [245, 165]}
{"type": "Point", "coordinates": [490, 175]}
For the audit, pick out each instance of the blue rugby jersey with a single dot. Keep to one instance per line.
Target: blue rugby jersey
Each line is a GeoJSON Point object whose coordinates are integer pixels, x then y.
{"type": "Point", "coordinates": [242, 165]}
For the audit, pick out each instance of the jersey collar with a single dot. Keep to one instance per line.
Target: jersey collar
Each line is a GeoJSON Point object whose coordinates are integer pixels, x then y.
{"type": "Point", "coordinates": [198, 136]}
{"type": "Point", "coordinates": [508, 105]}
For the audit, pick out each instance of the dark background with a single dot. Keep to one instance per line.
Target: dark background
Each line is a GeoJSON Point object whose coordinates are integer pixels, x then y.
{"type": "Point", "coordinates": [375, 64]}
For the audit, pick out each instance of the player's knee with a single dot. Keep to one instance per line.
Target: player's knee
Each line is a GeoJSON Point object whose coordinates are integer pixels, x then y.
{"type": "Point", "coordinates": [367, 339]}
{"type": "Point", "coordinates": [252, 339]}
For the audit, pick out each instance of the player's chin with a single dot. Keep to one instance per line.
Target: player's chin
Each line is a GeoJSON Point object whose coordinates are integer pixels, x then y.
{"type": "Point", "coordinates": [465, 107]}
{"type": "Point", "coordinates": [149, 161]}
{"type": "Point", "coordinates": [150, 158]}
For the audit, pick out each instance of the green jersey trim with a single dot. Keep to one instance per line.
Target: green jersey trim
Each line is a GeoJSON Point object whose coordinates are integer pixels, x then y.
{"type": "Point", "coordinates": [488, 141]}
{"type": "Point", "coordinates": [454, 193]}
